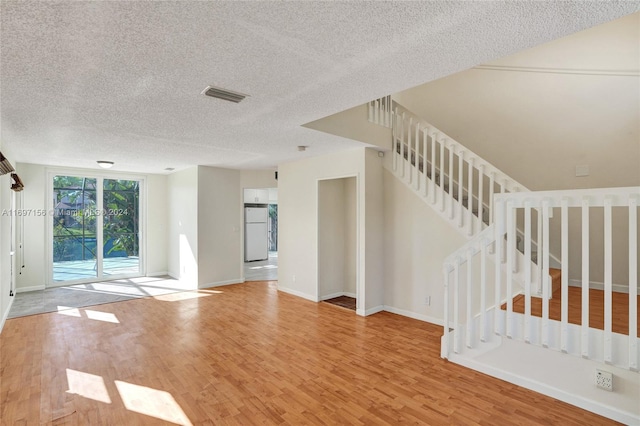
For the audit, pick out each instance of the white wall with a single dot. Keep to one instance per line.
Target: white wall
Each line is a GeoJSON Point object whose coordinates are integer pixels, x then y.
{"type": "Point", "coordinates": [5, 244]}
{"type": "Point", "coordinates": [350, 235]}
{"type": "Point", "coordinates": [258, 179]}
{"type": "Point", "coordinates": [416, 241]}
{"type": "Point", "coordinates": [182, 238]}
{"type": "Point", "coordinates": [157, 224]}
{"type": "Point", "coordinates": [353, 124]}
{"type": "Point", "coordinates": [298, 233]}
{"type": "Point", "coordinates": [218, 226]}
{"type": "Point", "coordinates": [337, 237]}
{"type": "Point", "coordinates": [331, 237]}
{"type": "Point", "coordinates": [33, 254]}
{"type": "Point", "coordinates": [373, 249]}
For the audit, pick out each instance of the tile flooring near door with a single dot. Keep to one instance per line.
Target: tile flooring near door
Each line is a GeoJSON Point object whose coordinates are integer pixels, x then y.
{"type": "Point", "coordinates": [60, 299]}
{"type": "Point", "coordinates": [262, 270]}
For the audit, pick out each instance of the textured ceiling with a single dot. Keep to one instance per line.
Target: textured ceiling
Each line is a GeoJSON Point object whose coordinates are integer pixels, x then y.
{"type": "Point", "coordinates": [121, 81]}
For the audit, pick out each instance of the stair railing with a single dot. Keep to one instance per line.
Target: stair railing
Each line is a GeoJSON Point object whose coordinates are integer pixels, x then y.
{"type": "Point", "coordinates": [574, 207]}
{"type": "Point", "coordinates": [460, 183]}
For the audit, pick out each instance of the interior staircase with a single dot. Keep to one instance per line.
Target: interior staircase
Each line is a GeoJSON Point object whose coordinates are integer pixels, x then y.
{"type": "Point", "coordinates": [507, 258]}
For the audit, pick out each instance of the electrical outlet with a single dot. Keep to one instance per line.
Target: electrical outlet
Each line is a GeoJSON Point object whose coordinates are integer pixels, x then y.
{"type": "Point", "coordinates": [604, 380]}
{"type": "Point", "coordinates": [293, 279]}
{"type": "Point", "coordinates": [427, 300]}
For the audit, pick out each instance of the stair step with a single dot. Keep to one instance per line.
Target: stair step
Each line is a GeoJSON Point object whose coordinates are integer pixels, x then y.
{"type": "Point", "coordinates": [556, 279]}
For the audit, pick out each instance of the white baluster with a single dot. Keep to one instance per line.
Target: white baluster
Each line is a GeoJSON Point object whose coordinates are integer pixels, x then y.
{"type": "Point", "coordinates": [470, 322]}
{"type": "Point", "coordinates": [387, 111]}
{"type": "Point", "coordinates": [444, 351]}
{"type": "Point", "coordinates": [483, 290]}
{"type": "Point", "coordinates": [460, 189]}
{"type": "Point", "coordinates": [481, 196]}
{"type": "Point", "coordinates": [564, 292]}
{"type": "Point", "coordinates": [395, 142]}
{"type": "Point", "coordinates": [456, 307]}
{"type": "Point", "coordinates": [409, 169]}
{"type": "Point", "coordinates": [450, 179]}
{"type": "Point", "coordinates": [470, 198]}
{"type": "Point", "coordinates": [417, 157]}
{"type": "Point", "coordinates": [607, 281]}
{"type": "Point", "coordinates": [377, 112]}
{"type": "Point", "coordinates": [584, 330]}
{"type": "Point", "coordinates": [527, 271]}
{"type": "Point", "coordinates": [370, 111]}
{"type": "Point", "coordinates": [539, 246]}
{"type": "Point", "coordinates": [425, 163]}
{"type": "Point", "coordinates": [442, 174]}
{"type": "Point", "coordinates": [633, 284]}
{"type": "Point", "coordinates": [499, 236]}
{"type": "Point", "coordinates": [511, 251]}
{"type": "Point", "coordinates": [433, 167]}
{"type": "Point", "coordinates": [545, 272]}
{"type": "Point", "coordinates": [492, 182]}
{"type": "Point", "coordinates": [402, 124]}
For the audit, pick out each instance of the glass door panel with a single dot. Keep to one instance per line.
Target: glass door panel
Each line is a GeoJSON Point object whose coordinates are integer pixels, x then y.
{"type": "Point", "coordinates": [74, 228]}
{"type": "Point", "coordinates": [121, 239]}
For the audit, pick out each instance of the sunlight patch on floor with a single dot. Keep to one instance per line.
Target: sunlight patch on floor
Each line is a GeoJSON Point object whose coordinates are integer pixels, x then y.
{"type": "Point", "coordinates": [265, 267]}
{"type": "Point", "coordinates": [101, 316]}
{"type": "Point", "coordinates": [68, 311]}
{"type": "Point", "coordinates": [88, 386]}
{"type": "Point", "coordinates": [176, 297]}
{"type": "Point", "coordinates": [152, 402]}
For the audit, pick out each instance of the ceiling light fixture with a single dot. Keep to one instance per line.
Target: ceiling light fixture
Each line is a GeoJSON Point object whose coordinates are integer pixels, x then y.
{"type": "Point", "coordinates": [224, 94]}
{"type": "Point", "coordinates": [105, 164]}
{"type": "Point", "coordinates": [302, 148]}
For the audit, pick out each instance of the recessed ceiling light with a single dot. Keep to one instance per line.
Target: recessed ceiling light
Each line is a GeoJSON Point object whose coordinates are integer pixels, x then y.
{"type": "Point", "coordinates": [105, 164]}
{"type": "Point", "coordinates": [302, 148]}
{"type": "Point", "coordinates": [224, 94]}
{"type": "Point", "coordinates": [170, 169]}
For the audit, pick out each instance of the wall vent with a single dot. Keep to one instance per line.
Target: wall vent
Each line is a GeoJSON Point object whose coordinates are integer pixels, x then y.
{"type": "Point", "coordinates": [227, 95]}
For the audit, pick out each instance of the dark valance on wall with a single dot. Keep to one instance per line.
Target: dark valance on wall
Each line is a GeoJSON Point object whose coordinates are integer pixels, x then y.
{"type": "Point", "coordinates": [5, 168]}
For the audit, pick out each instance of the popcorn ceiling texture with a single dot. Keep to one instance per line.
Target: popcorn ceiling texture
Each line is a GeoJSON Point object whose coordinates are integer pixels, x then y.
{"type": "Point", "coordinates": [82, 81]}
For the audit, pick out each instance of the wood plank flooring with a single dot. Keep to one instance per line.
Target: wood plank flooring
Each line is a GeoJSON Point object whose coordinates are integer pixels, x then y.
{"type": "Point", "coordinates": [620, 311]}
{"type": "Point", "coordinates": [343, 301]}
{"type": "Point", "coordinates": [247, 354]}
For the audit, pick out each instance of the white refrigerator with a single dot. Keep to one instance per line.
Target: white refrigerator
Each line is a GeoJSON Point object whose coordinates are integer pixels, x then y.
{"type": "Point", "coordinates": [256, 235]}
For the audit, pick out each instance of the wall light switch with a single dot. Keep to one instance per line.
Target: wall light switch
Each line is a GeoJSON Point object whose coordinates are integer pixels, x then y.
{"type": "Point", "coordinates": [582, 170]}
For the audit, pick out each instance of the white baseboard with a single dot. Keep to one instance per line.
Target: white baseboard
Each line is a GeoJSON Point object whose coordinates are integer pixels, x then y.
{"type": "Point", "coordinates": [618, 288]}
{"type": "Point", "coordinates": [159, 274]}
{"type": "Point", "coordinates": [32, 288]}
{"type": "Point", "coordinates": [338, 294]}
{"type": "Point", "coordinates": [370, 311]}
{"type": "Point", "coordinates": [5, 315]}
{"type": "Point", "coordinates": [221, 283]}
{"type": "Point", "coordinates": [414, 315]}
{"type": "Point", "coordinates": [297, 293]}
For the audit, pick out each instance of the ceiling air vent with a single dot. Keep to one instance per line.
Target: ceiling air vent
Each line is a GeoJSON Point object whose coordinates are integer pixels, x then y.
{"type": "Point", "coordinates": [227, 95]}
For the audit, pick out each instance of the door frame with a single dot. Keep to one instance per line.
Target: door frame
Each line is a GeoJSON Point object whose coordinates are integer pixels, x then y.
{"type": "Point", "coordinates": [360, 291]}
{"type": "Point", "coordinates": [142, 223]}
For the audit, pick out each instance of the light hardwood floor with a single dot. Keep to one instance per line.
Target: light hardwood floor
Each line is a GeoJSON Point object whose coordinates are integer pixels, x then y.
{"type": "Point", "coordinates": [246, 354]}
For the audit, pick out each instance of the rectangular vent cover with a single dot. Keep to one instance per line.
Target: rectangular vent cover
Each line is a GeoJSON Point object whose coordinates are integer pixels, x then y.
{"type": "Point", "coordinates": [227, 95]}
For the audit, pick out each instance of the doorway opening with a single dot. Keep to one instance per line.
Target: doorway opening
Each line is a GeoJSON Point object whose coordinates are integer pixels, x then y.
{"type": "Point", "coordinates": [338, 242]}
{"type": "Point", "coordinates": [260, 234]}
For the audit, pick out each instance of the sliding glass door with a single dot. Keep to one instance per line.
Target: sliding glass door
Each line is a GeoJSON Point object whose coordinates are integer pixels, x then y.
{"type": "Point", "coordinates": [95, 229]}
